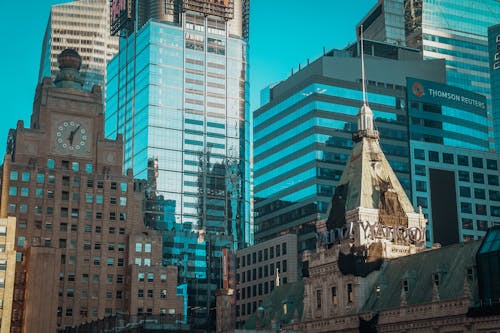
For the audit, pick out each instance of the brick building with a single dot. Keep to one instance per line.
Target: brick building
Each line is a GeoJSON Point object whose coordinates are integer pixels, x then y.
{"type": "Point", "coordinates": [79, 218]}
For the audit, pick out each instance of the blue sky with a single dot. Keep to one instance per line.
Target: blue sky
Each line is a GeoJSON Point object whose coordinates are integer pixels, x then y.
{"type": "Point", "coordinates": [283, 34]}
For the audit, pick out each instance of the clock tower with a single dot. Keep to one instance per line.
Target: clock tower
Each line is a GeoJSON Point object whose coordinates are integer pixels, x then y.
{"type": "Point", "coordinates": [80, 240]}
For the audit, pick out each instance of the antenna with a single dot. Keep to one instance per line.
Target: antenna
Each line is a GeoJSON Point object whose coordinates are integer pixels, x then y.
{"type": "Point", "coordinates": [365, 99]}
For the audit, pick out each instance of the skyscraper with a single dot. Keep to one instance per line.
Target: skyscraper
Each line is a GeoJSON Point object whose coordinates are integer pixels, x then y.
{"type": "Point", "coordinates": [81, 249]}
{"type": "Point", "coordinates": [302, 137]}
{"type": "Point", "coordinates": [82, 25]}
{"type": "Point", "coordinates": [178, 93]}
{"type": "Point", "coordinates": [494, 53]}
{"type": "Point", "coordinates": [449, 29]}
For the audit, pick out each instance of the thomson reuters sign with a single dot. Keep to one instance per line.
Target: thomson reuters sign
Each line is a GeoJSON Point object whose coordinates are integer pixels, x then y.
{"type": "Point", "coordinates": [445, 95]}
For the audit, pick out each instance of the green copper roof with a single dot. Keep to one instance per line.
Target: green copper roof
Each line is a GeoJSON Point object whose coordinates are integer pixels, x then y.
{"type": "Point", "coordinates": [273, 307]}
{"type": "Point", "coordinates": [449, 265]}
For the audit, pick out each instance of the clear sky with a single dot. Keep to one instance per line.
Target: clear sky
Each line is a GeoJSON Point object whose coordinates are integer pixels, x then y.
{"type": "Point", "coordinates": [283, 34]}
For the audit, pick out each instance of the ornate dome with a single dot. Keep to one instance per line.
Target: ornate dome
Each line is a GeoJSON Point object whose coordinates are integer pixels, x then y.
{"type": "Point", "coordinates": [69, 58]}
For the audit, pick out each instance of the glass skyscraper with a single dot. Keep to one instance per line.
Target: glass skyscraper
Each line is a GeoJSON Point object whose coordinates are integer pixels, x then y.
{"type": "Point", "coordinates": [494, 50]}
{"type": "Point", "coordinates": [82, 25]}
{"type": "Point", "coordinates": [302, 136]}
{"type": "Point", "coordinates": [454, 30]}
{"type": "Point", "coordinates": [178, 93]}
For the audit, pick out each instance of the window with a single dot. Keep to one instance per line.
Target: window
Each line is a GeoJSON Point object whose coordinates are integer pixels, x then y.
{"type": "Point", "coordinates": [482, 225]}
{"type": "Point", "coordinates": [119, 279]}
{"type": "Point", "coordinates": [89, 198]}
{"type": "Point", "coordinates": [12, 208]}
{"type": "Point", "coordinates": [494, 195]}
{"type": "Point", "coordinates": [123, 201]}
{"type": "Point", "coordinates": [151, 277]}
{"type": "Point", "coordinates": [99, 199]}
{"type": "Point", "coordinates": [480, 209]}
{"type": "Point", "coordinates": [419, 154]}
{"type": "Point", "coordinates": [150, 293]}
{"type": "Point", "coordinates": [138, 261]}
{"type": "Point", "coordinates": [88, 168]}
{"type": "Point", "coordinates": [491, 164]}
{"type": "Point", "coordinates": [492, 180]}
{"type": "Point", "coordinates": [112, 200]}
{"type": "Point", "coordinates": [420, 170]}
{"type": "Point", "coordinates": [23, 208]}
{"type": "Point", "coordinates": [40, 178]}
{"type": "Point", "coordinates": [463, 160]}
{"type": "Point", "coordinates": [138, 247]}
{"type": "Point", "coordinates": [334, 295]}
{"type": "Point", "coordinates": [283, 266]}
{"type": "Point", "coordinates": [113, 185]}
{"type": "Point", "coordinates": [463, 176]}
{"type": "Point", "coordinates": [13, 190]}
{"type": "Point", "coordinates": [147, 247]}
{"type": "Point", "coordinates": [75, 166]}
{"type": "Point", "coordinates": [278, 252]}
{"type": "Point", "coordinates": [433, 156]}
{"type": "Point", "coordinates": [123, 216]}
{"type": "Point", "coordinates": [97, 261]}
{"type": "Point", "coordinates": [478, 178]}
{"type": "Point", "coordinates": [318, 298]}
{"type": "Point", "coordinates": [163, 277]}
{"type": "Point", "coordinates": [74, 212]}
{"type": "Point", "coordinates": [405, 286]}
{"type": "Point", "coordinates": [350, 296]}
{"type": "Point", "coordinates": [479, 193]}
{"type": "Point", "coordinates": [466, 207]}
{"type": "Point", "coordinates": [110, 261]}
{"type": "Point", "coordinates": [100, 184]}
{"type": "Point", "coordinates": [477, 162]}
{"type": "Point", "coordinates": [14, 175]}
{"type": "Point", "coordinates": [51, 179]}
{"type": "Point", "coordinates": [140, 293]}
{"type": "Point", "coordinates": [20, 241]}
{"type": "Point", "coordinates": [147, 262]}
{"type": "Point", "coordinates": [90, 183]}
{"type": "Point", "coordinates": [422, 202]}
{"type": "Point", "coordinates": [123, 187]}
{"type": "Point", "coordinates": [465, 192]}
{"type": "Point", "coordinates": [448, 158]}
{"type": "Point", "coordinates": [421, 186]}
{"type": "Point", "coordinates": [140, 277]}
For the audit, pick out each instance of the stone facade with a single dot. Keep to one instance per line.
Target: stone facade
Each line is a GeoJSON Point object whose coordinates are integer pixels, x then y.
{"type": "Point", "coordinates": [7, 270]}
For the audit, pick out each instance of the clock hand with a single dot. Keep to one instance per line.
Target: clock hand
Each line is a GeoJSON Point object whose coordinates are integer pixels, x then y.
{"type": "Point", "coordinates": [72, 134]}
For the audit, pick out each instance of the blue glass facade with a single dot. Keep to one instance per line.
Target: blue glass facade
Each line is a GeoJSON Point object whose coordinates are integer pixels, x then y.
{"type": "Point", "coordinates": [494, 53]}
{"type": "Point", "coordinates": [178, 93]}
{"type": "Point", "coordinates": [303, 138]}
{"type": "Point", "coordinates": [449, 132]}
{"type": "Point", "coordinates": [456, 31]}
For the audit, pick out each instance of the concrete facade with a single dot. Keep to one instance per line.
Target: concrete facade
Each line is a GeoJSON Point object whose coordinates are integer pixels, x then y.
{"type": "Point", "coordinates": [256, 272]}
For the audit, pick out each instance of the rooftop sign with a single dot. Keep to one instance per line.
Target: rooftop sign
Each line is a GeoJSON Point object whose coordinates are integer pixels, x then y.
{"type": "Point", "coordinates": [445, 95]}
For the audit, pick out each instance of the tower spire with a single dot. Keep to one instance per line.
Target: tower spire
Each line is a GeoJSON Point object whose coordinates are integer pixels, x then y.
{"type": "Point", "coordinates": [365, 115]}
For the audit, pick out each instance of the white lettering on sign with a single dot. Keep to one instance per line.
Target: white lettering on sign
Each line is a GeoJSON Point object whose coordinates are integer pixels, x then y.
{"type": "Point", "coordinates": [394, 234]}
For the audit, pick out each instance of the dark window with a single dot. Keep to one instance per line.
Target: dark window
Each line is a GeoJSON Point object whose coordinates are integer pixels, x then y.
{"type": "Point", "coordinates": [421, 186]}
{"type": "Point", "coordinates": [433, 156]}
{"type": "Point", "coordinates": [479, 193]}
{"type": "Point", "coordinates": [494, 195]}
{"type": "Point", "coordinates": [480, 209]}
{"type": "Point", "coordinates": [419, 154]}
{"type": "Point", "coordinates": [482, 225]}
{"type": "Point", "coordinates": [448, 158]}
{"type": "Point", "coordinates": [420, 170]}
{"type": "Point", "coordinates": [318, 298]}
{"type": "Point", "coordinates": [464, 176]}
{"type": "Point", "coordinates": [350, 296]}
{"type": "Point", "coordinates": [491, 164]}
{"type": "Point", "coordinates": [492, 180]}
{"type": "Point", "coordinates": [466, 207]}
{"type": "Point", "coordinates": [334, 295]}
{"type": "Point", "coordinates": [463, 160]}
{"type": "Point", "coordinates": [465, 192]}
{"type": "Point", "coordinates": [478, 178]}
{"type": "Point", "coordinates": [477, 162]}
{"type": "Point", "coordinates": [422, 202]}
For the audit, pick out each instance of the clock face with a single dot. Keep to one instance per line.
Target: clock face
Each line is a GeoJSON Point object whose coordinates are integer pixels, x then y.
{"type": "Point", "coordinates": [71, 136]}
